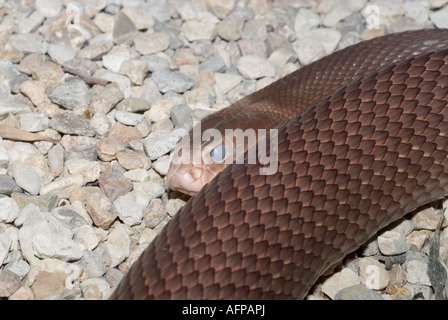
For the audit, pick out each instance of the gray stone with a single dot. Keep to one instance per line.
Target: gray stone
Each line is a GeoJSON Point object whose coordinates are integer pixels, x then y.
{"type": "Point", "coordinates": [150, 43]}
{"type": "Point", "coordinates": [151, 93]}
{"type": "Point", "coordinates": [11, 77]}
{"type": "Point", "coordinates": [95, 50]}
{"type": "Point", "coordinates": [199, 30]}
{"type": "Point", "coordinates": [124, 29]}
{"type": "Point", "coordinates": [5, 244]}
{"type": "Point", "coordinates": [71, 123]}
{"type": "Point", "coordinates": [357, 292]}
{"type": "Point", "coordinates": [128, 211]}
{"type": "Point", "coordinates": [92, 264]}
{"type": "Point", "coordinates": [230, 28]}
{"type": "Point", "coordinates": [47, 245]}
{"type": "Point", "coordinates": [128, 118]}
{"type": "Point", "coordinates": [440, 18]}
{"type": "Point", "coordinates": [46, 202]}
{"type": "Point", "coordinates": [7, 184]}
{"type": "Point", "coordinates": [416, 267]}
{"type": "Point", "coordinates": [213, 64]}
{"type": "Point", "coordinates": [9, 210]}
{"type": "Point", "coordinates": [26, 177]}
{"type": "Point", "coordinates": [68, 218]}
{"type": "Point", "coordinates": [158, 145]}
{"type": "Point", "coordinates": [181, 116]}
{"type": "Point", "coordinates": [255, 67]}
{"type": "Point", "coordinates": [49, 8]}
{"type": "Point", "coordinates": [172, 81]}
{"type": "Point", "coordinates": [155, 62]}
{"type": "Point", "coordinates": [34, 122]}
{"type": "Point", "coordinates": [158, 9]}
{"type": "Point", "coordinates": [60, 52]}
{"type": "Point", "coordinates": [29, 43]}
{"type": "Point", "coordinates": [133, 105]}
{"type": "Point", "coordinates": [393, 243]}
{"type": "Point", "coordinates": [71, 95]}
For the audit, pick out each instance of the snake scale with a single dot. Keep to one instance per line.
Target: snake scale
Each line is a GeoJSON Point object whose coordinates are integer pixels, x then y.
{"type": "Point", "coordinates": [371, 147]}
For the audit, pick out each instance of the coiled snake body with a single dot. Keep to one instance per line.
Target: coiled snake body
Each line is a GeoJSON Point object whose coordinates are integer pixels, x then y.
{"type": "Point", "coordinates": [355, 161]}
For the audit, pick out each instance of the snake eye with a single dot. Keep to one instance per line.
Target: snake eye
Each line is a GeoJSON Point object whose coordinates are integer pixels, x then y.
{"type": "Point", "coordinates": [218, 154]}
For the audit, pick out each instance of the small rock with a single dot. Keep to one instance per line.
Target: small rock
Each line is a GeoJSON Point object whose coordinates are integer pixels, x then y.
{"type": "Point", "coordinates": [63, 185]}
{"type": "Point", "coordinates": [58, 247]}
{"type": "Point", "coordinates": [34, 122]}
{"type": "Point", "coordinates": [118, 245]}
{"type": "Point", "coordinates": [162, 165]}
{"type": "Point", "coordinates": [105, 98]}
{"type": "Point", "coordinates": [199, 30]}
{"type": "Point", "coordinates": [128, 118]}
{"type": "Point", "coordinates": [181, 116]}
{"type": "Point", "coordinates": [440, 18]}
{"type": "Point", "coordinates": [172, 81]}
{"type": "Point", "coordinates": [60, 52]}
{"type": "Point", "coordinates": [95, 50]}
{"type": "Point", "coordinates": [255, 67]}
{"type": "Point", "coordinates": [124, 29]}
{"type": "Point", "coordinates": [416, 267]}
{"type": "Point", "coordinates": [338, 281]}
{"type": "Point", "coordinates": [49, 283]}
{"type": "Point", "coordinates": [56, 160]}
{"type": "Point", "coordinates": [158, 145]}
{"type": "Point", "coordinates": [140, 16]}
{"type": "Point", "coordinates": [86, 237]}
{"type": "Point", "coordinates": [135, 70]}
{"type": "Point", "coordinates": [305, 20]}
{"type": "Point", "coordinates": [29, 43]}
{"type": "Point", "coordinates": [10, 210]}
{"type": "Point", "coordinates": [94, 288]}
{"type": "Point", "coordinates": [133, 105]}
{"type": "Point", "coordinates": [90, 170]}
{"type": "Point", "coordinates": [5, 244]}
{"type": "Point", "coordinates": [132, 160]}
{"type": "Point", "coordinates": [151, 189]}
{"type": "Point", "coordinates": [114, 183]}
{"type": "Point", "coordinates": [154, 213]}
{"type": "Point", "coordinates": [426, 219]}
{"type": "Point", "coordinates": [124, 133]}
{"type": "Point", "coordinates": [308, 50]}
{"type": "Point", "coordinates": [70, 123]}
{"type": "Point", "coordinates": [137, 175]}
{"type": "Point", "coordinates": [68, 218]}
{"type": "Point", "coordinates": [393, 243]}
{"type": "Point", "coordinates": [49, 8]}
{"type": "Point", "coordinates": [230, 29]}
{"type": "Point", "coordinates": [374, 274]}
{"type": "Point", "coordinates": [7, 184]}
{"type": "Point", "coordinates": [128, 211]}
{"type": "Point", "coordinates": [150, 43]}
{"type": "Point", "coordinates": [26, 177]}
{"type": "Point", "coordinates": [71, 95]}
{"type": "Point", "coordinates": [46, 202]}
{"type": "Point", "coordinates": [227, 81]}
{"type": "Point", "coordinates": [101, 210]}
{"type": "Point", "coordinates": [9, 283]}
{"type": "Point", "coordinates": [357, 292]}
{"type": "Point", "coordinates": [173, 206]}
{"type": "Point", "coordinates": [92, 264]}
{"type": "Point", "coordinates": [159, 111]}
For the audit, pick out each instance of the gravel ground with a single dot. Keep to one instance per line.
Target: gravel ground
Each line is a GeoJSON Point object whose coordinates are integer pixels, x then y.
{"type": "Point", "coordinates": [107, 81]}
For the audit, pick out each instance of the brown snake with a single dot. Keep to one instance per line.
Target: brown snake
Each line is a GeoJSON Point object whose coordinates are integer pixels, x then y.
{"type": "Point", "coordinates": [355, 161]}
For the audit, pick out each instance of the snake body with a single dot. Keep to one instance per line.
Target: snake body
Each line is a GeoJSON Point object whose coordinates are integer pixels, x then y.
{"type": "Point", "coordinates": [352, 163]}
